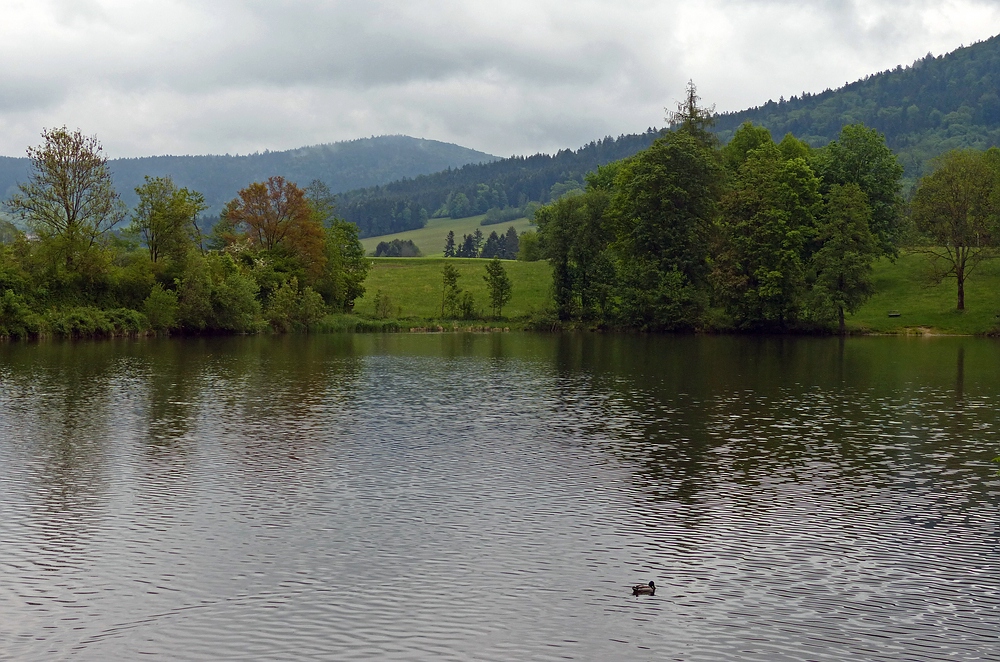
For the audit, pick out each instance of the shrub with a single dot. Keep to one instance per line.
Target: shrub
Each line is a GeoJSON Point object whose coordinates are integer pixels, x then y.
{"type": "Point", "coordinates": [161, 308]}
{"type": "Point", "coordinates": [16, 319]}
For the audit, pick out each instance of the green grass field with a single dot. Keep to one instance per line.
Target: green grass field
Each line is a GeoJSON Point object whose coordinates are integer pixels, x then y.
{"type": "Point", "coordinates": [925, 306]}
{"type": "Point", "coordinates": [414, 285]}
{"type": "Point", "coordinates": [430, 238]}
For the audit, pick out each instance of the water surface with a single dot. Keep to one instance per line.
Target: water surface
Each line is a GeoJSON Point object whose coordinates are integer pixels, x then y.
{"type": "Point", "coordinates": [464, 496]}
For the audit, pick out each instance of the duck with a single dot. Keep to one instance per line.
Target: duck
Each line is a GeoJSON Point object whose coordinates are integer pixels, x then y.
{"type": "Point", "coordinates": [644, 589]}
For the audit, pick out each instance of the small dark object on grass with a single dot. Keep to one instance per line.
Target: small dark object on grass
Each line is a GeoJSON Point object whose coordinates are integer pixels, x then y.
{"type": "Point", "coordinates": [895, 313]}
{"type": "Point", "coordinates": [644, 589]}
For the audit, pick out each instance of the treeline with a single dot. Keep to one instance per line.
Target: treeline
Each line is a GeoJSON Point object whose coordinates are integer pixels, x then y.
{"type": "Point", "coordinates": [755, 235]}
{"type": "Point", "coordinates": [504, 247]}
{"type": "Point", "coordinates": [500, 186]}
{"type": "Point", "coordinates": [923, 110]}
{"type": "Point", "coordinates": [278, 258]}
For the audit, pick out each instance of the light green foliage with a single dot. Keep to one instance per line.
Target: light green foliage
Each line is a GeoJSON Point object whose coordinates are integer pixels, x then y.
{"type": "Point", "coordinates": [289, 309]}
{"type": "Point", "coordinates": [69, 197]}
{"type": "Point", "coordinates": [161, 307]}
{"type": "Point", "coordinates": [449, 291]}
{"type": "Point", "coordinates": [792, 148]}
{"type": "Point", "coordinates": [498, 286]}
{"type": "Point", "coordinates": [165, 218]}
{"type": "Point", "coordinates": [529, 248]}
{"type": "Point", "coordinates": [346, 266]}
{"type": "Point", "coordinates": [383, 305]}
{"type": "Point", "coordinates": [957, 208]}
{"type": "Point", "coordinates": [747, 138]}
{"type": "Point", "coordinates": [215, 293]}
{"type": "Point", "coordinates": [843, 265]}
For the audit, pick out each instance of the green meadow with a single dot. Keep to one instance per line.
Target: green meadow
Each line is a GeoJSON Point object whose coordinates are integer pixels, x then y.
{"type": "Point", "coordinates": [430, 238]}
{"type": "Point", "coordinates": [925, 306]}
{"type": "Point", "coordinates": [413, 286]}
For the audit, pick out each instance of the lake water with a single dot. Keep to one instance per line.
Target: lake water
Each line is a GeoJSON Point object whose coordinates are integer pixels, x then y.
{"type": "Point", "coordinates": [494, 496]}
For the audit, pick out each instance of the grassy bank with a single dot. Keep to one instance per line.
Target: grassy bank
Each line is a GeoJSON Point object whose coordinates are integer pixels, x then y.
{"type": "Point", "coordinates": [903, 286]}
{"type": "Point", "coordinates": [413, 286]}
{"type": "Point", "coordinates": [430, 238]}
{"type": "Point", "coordinates": [927, 307]}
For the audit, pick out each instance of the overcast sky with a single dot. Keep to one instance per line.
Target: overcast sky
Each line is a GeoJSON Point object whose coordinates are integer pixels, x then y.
{"type": "Point", "coordinates": [506, 77]}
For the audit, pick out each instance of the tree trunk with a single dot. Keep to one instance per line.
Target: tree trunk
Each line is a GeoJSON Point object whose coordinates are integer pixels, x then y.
{"type": "Point", "coordinates": [843, 323]}
{"type": "Point", "coordinates": [961, 293]}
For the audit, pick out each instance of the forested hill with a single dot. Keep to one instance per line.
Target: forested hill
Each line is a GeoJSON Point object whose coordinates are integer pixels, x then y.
{"type": "Point", "coordinates": [341, 166]}
{"type": "Point", "coordinates": [935, 104]}
{"type": "Point", "coordinates": [504, 187]}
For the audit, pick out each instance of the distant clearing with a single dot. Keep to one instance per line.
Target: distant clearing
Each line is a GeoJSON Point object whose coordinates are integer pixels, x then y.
{"type": "Point", "coordinates": [430, 238]}
{"type": "Point", "coordinates": [414, 285]}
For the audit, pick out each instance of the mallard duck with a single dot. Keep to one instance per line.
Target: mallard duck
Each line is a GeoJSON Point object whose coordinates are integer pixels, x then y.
{"type": "Point", "coordinates": [644, 589]}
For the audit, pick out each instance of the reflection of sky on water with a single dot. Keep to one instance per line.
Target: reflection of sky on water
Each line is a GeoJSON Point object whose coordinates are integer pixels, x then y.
{"type": "Point", "coordinates": [438, 496]}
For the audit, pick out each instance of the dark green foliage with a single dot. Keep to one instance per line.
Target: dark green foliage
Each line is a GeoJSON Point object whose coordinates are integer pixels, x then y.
{"type": "Point", "coordinates": [449, 244]}
{"type": "Point", "coordinates": [843, 265]}
{"type": "Point", "coordinates": [519, 180]}
{"type": "Point", "coordinates": [511, 244]}
{"type": "Point", "coordinates": [665, 203]}
{"type": "Point", "coordinates": [397, 248]}
{"type": "Point", "coordinates": [767, 224]}
{"type": "Point", "coordinates": [860, 156]}
{"type": "Point", "coordinates": [575, 235]}
{"type": "Point", "coordinates": [161, 308]}
{"type": "Point", "coordinates": [497, 215]}
{"type": "Point", "coordinates": [16, 318]}
{"type": "Point", "coordinates": [932, 106]}
{"type": "Point", "coordinates": [493, 247]}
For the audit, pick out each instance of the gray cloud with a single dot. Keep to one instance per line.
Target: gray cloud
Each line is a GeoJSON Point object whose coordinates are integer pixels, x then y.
{"type": "Point", "coordinates": [180, 76]}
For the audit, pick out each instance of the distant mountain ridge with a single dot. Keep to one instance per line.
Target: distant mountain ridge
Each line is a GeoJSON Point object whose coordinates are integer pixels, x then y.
{"type": "Point", "coordinates": [503, 184]}
{"type": "Point", "coordinates": [342, 166]}
{"type": "Point", "coordinates": [925, 109]}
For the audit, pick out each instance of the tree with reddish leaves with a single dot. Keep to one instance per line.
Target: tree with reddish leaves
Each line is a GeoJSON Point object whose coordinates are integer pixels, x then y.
{"type": "Point", "coordinates": [275, 216]}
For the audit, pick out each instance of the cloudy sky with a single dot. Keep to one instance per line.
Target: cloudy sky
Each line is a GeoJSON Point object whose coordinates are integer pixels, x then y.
{"type": "Point", "coordinates": [506, 77]}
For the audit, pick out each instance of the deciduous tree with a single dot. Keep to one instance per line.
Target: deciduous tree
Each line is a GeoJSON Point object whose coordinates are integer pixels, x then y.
{"type": "Point", "coordinates": [276, 216]}
{"type": "Point", "coordinates": [956, 207]}
{"type": "Point", "coordinates": [69, 197]}
{"type": "Point", "coordinates": [498, 286]}
{"type": "Point", "coordinates": [860, 156]}
{"type": "Point", "coordinates": [843, 264]}
{"type": "Point", "coordinates": [166, 217]}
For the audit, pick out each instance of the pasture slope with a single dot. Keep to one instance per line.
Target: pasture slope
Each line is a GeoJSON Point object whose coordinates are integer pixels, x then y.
{"type": "Point", "coordinates": [925, 307]}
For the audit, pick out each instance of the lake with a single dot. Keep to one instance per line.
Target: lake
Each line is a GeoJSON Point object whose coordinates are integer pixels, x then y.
{"type": "Point", "coordinates": [494, 497]}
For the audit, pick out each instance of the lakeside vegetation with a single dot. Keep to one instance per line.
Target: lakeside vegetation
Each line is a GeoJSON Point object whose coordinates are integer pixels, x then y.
{"type": "Point", "coordinates": [687, 234]}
